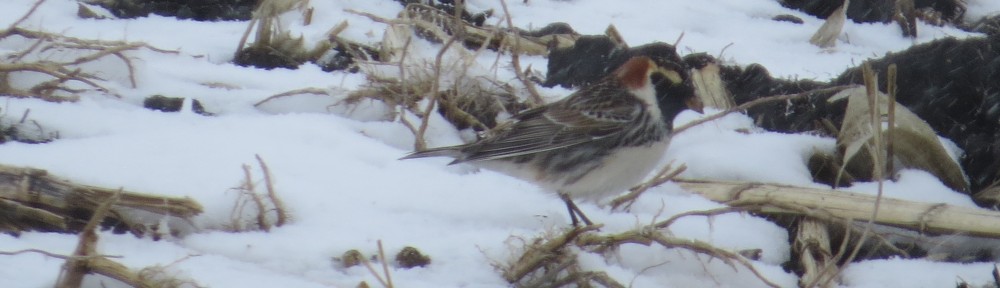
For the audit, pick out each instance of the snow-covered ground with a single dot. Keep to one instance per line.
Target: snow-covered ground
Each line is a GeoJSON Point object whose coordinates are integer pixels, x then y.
{"type": "Point", "coordinates": [337, 169]}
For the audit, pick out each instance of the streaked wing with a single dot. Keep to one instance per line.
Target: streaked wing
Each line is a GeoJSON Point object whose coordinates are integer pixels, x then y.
{"type": "Point", "coordinates": [572, 121]}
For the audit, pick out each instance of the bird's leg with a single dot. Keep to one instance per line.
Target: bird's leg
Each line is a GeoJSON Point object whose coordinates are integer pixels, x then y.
{"type": "Point", "coordinates": [574, 211]}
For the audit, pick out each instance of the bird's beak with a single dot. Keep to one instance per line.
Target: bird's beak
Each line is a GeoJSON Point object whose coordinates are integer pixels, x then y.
{"type": "Point", "coordinates": [694, 103]}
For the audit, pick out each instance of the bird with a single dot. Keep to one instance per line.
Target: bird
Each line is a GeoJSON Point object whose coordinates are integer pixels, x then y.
{"type": "Point", "coordinates": [596, 142]}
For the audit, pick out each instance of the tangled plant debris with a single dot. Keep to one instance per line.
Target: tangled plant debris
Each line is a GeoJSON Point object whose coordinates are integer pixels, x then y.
{"type": "Point", "coordinates": [414, 89]}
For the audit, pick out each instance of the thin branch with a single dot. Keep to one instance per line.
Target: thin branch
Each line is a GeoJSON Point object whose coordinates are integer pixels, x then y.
{"type": "Point", "coordinates": [871, 85]}
{"type": "Point", "coordinates": [376, 18]}
{"type": "Point", "coordinates": [102, 51]}
{"type": "Point", "coordinates": [536, 256]}
{"type": "Point", "coordinates": [515, 59]}
{"type": "Point", "coordinates": [60, 256]}
{"type": "Point", "coordinates": [131, 69]}
{"type": "Point", "coordinates": [272, 194]}
{"type": "Point", "coordinates": [404, 86]}
{"type": "Point", "coordinates": [648, 235]}
{"type": "Point", "coordinates": [23, 17]}
{"type": "Point", "coordinates": [679, 38]}
{"type": "Point", "coordinates": [368, 265]}
{"type": "Point", "coordinates": [705, 248]}
{"type": "Point", "coordinates": [314, 91]}
{"type": "Point", "coordinates": [665, 174]}
{"type": "Point", "coordinates": [420, 143]}
{"type": "Point", "coordinates": [758, 101]}
{"type": "Point", "coordinates": [73, 271]}
{"type": "Point", "coordinates": [251, 190]}
{"type": "Point", "coordinates": [705, 213]}
{"type": "Point", "coordinates": [891, 86]}
{"type": "Point", "coordinates": [385, 264]}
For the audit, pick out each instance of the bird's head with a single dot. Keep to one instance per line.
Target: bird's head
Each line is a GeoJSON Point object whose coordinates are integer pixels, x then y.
{"type": "Point", "coordinates": [668, 83]}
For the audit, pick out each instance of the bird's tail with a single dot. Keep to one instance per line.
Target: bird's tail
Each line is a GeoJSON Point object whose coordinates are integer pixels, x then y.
{"type": "Point", "coordinates": [450, 151]}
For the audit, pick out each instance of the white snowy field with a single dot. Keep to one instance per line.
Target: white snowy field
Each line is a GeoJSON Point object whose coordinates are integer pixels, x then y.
{"type": "Point", "coordinates": [337, 171]}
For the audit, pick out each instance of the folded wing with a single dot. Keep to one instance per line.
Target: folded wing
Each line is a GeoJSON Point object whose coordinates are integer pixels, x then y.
{"type": "Point", "coordinates": [569, 122]}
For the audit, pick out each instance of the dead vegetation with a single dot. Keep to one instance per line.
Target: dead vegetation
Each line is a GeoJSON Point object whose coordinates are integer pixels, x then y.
{"type": "Point", "coordinates": [870, 140]}
{"type": "Point", "coordinates": [831, 227]}
{"type": "Point", "coordinates": [418, 88]}
{"type": "Point", "coordinates": [37, 201]}
{"type": "Point", "coordinates": [58, 68]}
{"type": "Point", "coordinates": [414, 87]}
{"type": "Point", "coordinates": [24, 129]}
{"type": "Point", "coordinates": [33, 200]}
{"type": "Point", "coordinates": [274, 46]}
{"type": "Point", "coordinates": [265, 208]}
{"type": "Point", "coordinates": [86, 261]}
{"type": "Point", "coordinates": [550, 261]}
{"type": "Point", "coordinates": [826, 36]}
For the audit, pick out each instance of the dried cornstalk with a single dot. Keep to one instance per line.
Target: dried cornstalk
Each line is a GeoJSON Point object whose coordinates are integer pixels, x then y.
{"type": "Point", "coordinates": [934, 218]}
{"type": "Point", "coordinates": [812, 243]}
{"type": "Point", "coordinates": [48, 203]}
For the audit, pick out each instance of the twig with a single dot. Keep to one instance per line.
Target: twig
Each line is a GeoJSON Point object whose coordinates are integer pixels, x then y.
{"type": "Point", "coordinates": [996, 275]}
{"type": "Point", "coordinates": [536, 256]}
{"type": "Point", "coordinates": [236, 214]}
{"type": "Point", "coordinates": [23, 17]}
{"type": "Point", "coordinates": [375, 18]}
{"type": "Point", "coordinates": [24, 117]}
{"type": "Point", "coordinates": [314, 91]}
{"type": "Point", "coordinates": [705, 248]}
{"type": "Point", "coordinates": [245, 37]}
{"type": "Point", "coordinates": [758, 101]}
{"type": "Point", "coordinates": [871, 85]}
{"type": "Point", "coordinates": [723, 50]}
{"type": "Point", "coordinates": [73, 271]}
{"type": "Point", "coordinates": [18, 56]}
{"type": "Point", "coordinates": [60, 256]}
{"type": "Point", "coordinates": [279, 206]}
{"type": "Point", "coordinates": [420, 143]}
{"type": "Point", "coordinates": [583, 279]}
{"type": "Point", "coordinates": [891, 86]}
{"type": "Point", "coordinates": [606, 242]}
{"type": "Point", "coordinates": [603, 279]}
{"type": "Point", "coordinates": [665, 174]}
{"type": "Point", "coordinates": [52, 69]}
{"type": "Point", "coordinates": [515, 60]}
{"type": "Point", "coordinates": [385, 264]}
{"type": "Point", "coordinates": [251, 190]}
{"type": "Point", "coordinates": [404, 86]}
{"type": "Point", "coordinates": [59, 70]}
{"type": "Point", "coordinates": [706, 213]}
{"type": "Point", "coordinates": [648, 235]}
{"type": "Point", "coordinates": [551, 276]}
{"type": "Point", "coordinates": [131, 69]}
{"type": "Point", "coordinates": [385, 283]}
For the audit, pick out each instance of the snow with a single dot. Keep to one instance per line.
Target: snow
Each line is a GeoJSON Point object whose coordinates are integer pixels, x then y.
{"type": "Point", "coordinates": [981, 8]}
{"type": "Point", "coordinates": [708, 151]}
{"type": "Point", "coordinates": [895, 273]}
{"type": "Point", "coordinates": [336, 167]}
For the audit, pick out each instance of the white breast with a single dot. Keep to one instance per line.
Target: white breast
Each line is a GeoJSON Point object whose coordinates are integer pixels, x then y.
{"type": "Point", "coordinates": [620, 171]}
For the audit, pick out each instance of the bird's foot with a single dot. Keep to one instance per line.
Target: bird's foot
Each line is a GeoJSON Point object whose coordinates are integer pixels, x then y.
{"type": "Point", "coordinates": [575, 214]}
